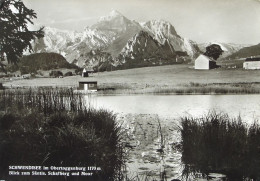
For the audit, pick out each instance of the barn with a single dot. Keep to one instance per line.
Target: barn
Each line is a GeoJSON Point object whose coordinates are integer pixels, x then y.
{"type": "Point", "coordinates": [90, 86]}
{"type": "Point", "coordinates": [252, 63]}
{"type": "Point", "coordinates": [204, 63]}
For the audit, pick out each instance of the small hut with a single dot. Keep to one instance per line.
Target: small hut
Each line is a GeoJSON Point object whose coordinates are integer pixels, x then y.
{"type": "Point", "coordinates": [87, 70]}
{"type": "Point", "coordinates": [252, 63]}
{"type": "Point", "coordinates": [90, 86]}
{"type": "Point", "coordinates": [204, 63]}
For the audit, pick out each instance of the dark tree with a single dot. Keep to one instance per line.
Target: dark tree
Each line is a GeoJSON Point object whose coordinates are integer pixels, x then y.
{"type": "Point", "coordinates": [213, 51]}
{"type": "Point", "coordinates": [15, 37]}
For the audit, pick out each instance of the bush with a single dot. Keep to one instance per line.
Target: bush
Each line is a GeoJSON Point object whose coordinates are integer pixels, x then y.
{"type": "Point", "coordinates": [78, 71]}
{"type": "Point", "coordinates": [216, 143]}
{"type": "Point", "coordinates": [68, 74]}
{"type": "Point", "coordinates": [56, 73]}
{"type": "Point", "coordinates": [61, 136]}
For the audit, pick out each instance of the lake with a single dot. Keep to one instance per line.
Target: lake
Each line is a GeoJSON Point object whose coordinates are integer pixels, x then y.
{"type": "Point", "coordinates": [140, 116]}
{"type": "Point", "coordinates": [176, 106]}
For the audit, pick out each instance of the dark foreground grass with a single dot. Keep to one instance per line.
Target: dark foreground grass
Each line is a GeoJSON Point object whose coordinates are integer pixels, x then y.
{"type": "Point", "coordinates": [218, 144]}
{"type": "Point", "coordinates": [55, 128]}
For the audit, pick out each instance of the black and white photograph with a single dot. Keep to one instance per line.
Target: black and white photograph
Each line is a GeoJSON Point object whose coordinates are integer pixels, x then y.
{"type": "Point", "coordinates": [129, 90]}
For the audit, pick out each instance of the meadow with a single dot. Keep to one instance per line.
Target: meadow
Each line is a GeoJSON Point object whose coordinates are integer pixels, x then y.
{"type": "Point", "coordinates": [176, 79]}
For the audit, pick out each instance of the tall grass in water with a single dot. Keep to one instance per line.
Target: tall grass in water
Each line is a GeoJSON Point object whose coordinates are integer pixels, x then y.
{"type": "Point", "coordinates": [45, 100]}
{"type": "Point", "coordinates": [216, 143]}
{"type": "Point", "coordinates": [55, 128]}
{"type": "Point", "coordinates": [187, 89]}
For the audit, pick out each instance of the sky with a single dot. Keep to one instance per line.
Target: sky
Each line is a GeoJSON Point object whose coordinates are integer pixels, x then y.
{"type": "Point", "coordinates": [225, 21]}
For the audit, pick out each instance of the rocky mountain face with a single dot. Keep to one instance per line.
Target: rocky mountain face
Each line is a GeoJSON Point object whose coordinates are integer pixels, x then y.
{"type": "Point", "coordinates": [100, 60]}
{"type": "Point", "coordinates": [164, 32]}
{"type": "Point", "coordinates": [72, 44]}
{"type": "Point", "coordinates": [116, 41]}
{"type": "Point", "coordinates": [144, 50]}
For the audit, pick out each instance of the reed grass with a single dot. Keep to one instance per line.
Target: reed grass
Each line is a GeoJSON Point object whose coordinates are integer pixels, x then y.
{"type": "Point", "coordinates": [47, 100]}
{"type": "Point", "coordinates": [190, 88]}
{"type": "Point", "coordinates": [51, 127]}
{"type": "Point", "coordinates": [216, 143]}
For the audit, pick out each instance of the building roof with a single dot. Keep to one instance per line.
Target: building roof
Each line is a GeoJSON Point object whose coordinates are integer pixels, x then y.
{"type": "Point", "coordinates": [204, 57]}
{"type": "Point", "coordinates": [252, 59]}
{"type": "Point", "coordinates": [87, 82]}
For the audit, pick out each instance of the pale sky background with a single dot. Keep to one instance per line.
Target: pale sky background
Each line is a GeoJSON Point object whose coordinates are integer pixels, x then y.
{"type": "Point", "coordinates": [230, 21]}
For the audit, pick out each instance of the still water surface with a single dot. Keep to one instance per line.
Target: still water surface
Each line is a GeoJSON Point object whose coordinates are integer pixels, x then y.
{"type": "Point", "coordinates": [176, 106]}
{"type": "Point", "coordinates": [144, 158]}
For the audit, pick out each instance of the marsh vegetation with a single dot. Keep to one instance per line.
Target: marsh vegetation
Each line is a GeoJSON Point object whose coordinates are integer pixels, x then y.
{"type": "Point", "coordinates": [55, 128]}
{"type": "Point", "coordinates": [216, 143]}
{"type": "Point", "coordinates": [58, 127]}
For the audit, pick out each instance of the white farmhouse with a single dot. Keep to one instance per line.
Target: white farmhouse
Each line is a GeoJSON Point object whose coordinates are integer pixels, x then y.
{"type": "Point", "coordinates": [204, 63]}
{"type": "Point", "coordinates": [252, 63]}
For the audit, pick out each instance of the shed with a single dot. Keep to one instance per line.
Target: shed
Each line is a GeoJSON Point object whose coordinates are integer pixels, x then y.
{"type": "Point", "coordinates": [90, 86]}
{"type": "Point", "coordinates": [252, 63]}
{"type": "Point", "coordinates": [87, 70]}
{"type": "Point", "coordinates": [204, 63]}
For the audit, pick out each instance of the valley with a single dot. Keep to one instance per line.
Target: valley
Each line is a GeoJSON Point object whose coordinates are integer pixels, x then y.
{"type": "Point", "coordinates": [160, 79]}
{"type": "Point", "coordinates": [166, 91]}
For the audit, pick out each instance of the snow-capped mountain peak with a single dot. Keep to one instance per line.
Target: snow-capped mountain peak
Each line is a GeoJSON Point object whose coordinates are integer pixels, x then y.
{"type": "Point", "coordinates": [115, 22]}
{"type": "Point", "coordinates": [117, 39]}
{"type": "Point", "coordinates": [164, 33]}
{"type": "Point", "coordinates": [160, 27]}
{"type": "Point", "coordinates": [113, 14]}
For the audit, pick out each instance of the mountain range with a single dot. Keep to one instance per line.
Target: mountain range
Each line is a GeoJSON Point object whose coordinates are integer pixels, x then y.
{"type": "Point", "coordinates": [228, 48]}
{"type": "Point", "coordinates": [116, 42]}
{"type": "Point", "coordinates": [246, 52]}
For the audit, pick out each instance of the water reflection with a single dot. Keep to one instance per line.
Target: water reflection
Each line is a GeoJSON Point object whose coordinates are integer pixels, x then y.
{"type": "Point", "coordinates": [138, 115]}
{"type": "Point", "coordinates": [175, 106]}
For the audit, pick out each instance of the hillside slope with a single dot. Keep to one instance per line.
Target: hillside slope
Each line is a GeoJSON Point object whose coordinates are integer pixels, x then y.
{"type": "Point", "coordinates": [246, 52]}
{"type": "Point", "coordinates": [42, 61]}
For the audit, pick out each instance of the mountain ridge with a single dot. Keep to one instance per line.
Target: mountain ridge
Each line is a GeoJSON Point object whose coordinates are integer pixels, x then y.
{"type": "Point", "coordinates": [253, 50]}
{"type": "Point", "coordinates": [228, 48]}
{"type": "Point", "coordinates": [108, 42]}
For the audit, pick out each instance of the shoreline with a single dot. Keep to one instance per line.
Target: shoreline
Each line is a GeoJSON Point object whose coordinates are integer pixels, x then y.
{"type": "Point", "coordinates": [244, 88]}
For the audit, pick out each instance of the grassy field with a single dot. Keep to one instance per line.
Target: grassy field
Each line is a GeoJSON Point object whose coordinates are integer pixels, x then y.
{"type": "Point", "coordinates": [161, 79]}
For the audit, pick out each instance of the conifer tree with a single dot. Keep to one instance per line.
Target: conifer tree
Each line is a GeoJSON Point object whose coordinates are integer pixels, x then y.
{"type": "Point", "coordinates": [15, 37]}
